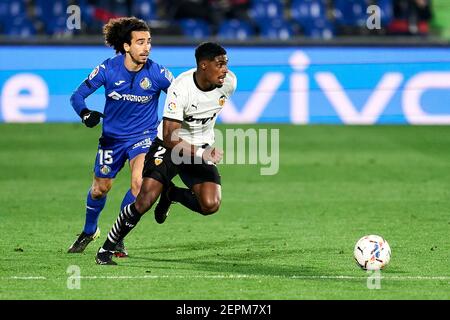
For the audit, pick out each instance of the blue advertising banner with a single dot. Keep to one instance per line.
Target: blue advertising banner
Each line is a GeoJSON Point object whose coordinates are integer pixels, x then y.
{"type": "Point", "coordinates": [316, 85]}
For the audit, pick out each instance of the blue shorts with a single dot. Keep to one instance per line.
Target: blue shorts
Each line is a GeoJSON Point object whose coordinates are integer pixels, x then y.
{"type": "Point", "coordinates": [112, 154]}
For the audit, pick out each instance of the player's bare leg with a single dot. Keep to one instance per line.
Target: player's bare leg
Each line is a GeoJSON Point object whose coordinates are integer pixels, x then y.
{"type": "Point", "coordinates": [204, 198]}
{"type": "Point", "coordinates": [163, 207]}
{"type": "Point", "coordinates": [100, 187]}
{"type": "Point", "coordinates": [136, 167]}
{"type": "Point", "coordinates": [150, 191]}
{"type": "Point", "coordinates": [209, 195]}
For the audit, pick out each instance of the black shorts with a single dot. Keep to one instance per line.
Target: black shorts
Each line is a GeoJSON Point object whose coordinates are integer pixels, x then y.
{"type": "Point", "coordinates": [159, 166]}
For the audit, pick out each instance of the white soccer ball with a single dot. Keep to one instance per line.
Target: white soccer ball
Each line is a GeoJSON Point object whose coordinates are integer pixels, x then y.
{"type": "Point", "coordinates": [372, 252]}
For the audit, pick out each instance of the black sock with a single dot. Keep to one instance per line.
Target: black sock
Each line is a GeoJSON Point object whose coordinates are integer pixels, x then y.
{"type": "Point", "coordinates": [126, 221]}
{"type": "Point", "coordinates": [186, 197]}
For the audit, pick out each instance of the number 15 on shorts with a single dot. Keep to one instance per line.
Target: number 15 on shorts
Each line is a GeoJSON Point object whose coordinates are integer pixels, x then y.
{"type": "Point", "coordinates": [105, 157]}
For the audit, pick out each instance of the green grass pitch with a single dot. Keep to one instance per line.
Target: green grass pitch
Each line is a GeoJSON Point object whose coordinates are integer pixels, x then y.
{"type": "Point", "coordinates": [286, 236]}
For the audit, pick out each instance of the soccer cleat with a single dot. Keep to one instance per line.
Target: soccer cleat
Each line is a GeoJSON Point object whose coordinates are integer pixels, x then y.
{"type": "Point", "coordinates": [105, 257]}
{"type": "Point", "coordinates": [163, 207]}
{"type": "Point", "coordinates": [83, 240]}
{"type": "Point", "coordinates": [121, 251]}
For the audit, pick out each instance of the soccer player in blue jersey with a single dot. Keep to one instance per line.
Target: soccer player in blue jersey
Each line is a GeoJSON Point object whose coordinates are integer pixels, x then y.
{"type": "Point", "coordinates": [133, 84]}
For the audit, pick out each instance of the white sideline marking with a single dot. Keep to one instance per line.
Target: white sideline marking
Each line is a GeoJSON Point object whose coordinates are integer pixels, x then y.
{"type": "Point", "coordinates": [234, 276]}
{"type": "Point", "coordinates": [382, 277]}
{"type": "Point", "coordinates": [25, 278]}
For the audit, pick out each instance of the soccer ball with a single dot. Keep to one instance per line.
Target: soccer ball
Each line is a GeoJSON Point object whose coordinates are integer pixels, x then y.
{"type": "Point", "coordinates": [372, 252]}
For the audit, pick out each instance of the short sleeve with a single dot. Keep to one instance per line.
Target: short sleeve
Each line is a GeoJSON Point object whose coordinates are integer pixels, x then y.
{"type": "Point", "coordinates": [175, 102]}
{"type": "Point", "coordinates": [165, 78]}
{"type": "Point", "coordinates": [233, 83]}
{"type": "Point", "coordinates": [97, 77]}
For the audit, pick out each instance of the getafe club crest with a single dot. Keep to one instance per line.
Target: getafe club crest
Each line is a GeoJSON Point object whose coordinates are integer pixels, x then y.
{"type": "Point", "coordinates": [145, 83]}
{"type": "Point", "coordinates": [105, 169]}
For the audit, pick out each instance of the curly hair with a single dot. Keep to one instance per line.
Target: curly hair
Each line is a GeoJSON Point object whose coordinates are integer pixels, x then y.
{"type": "Point", "coordinates": [118, 31]}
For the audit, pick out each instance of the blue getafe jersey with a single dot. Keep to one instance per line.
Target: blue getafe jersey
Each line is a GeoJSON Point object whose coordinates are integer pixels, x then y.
{"type": "Point", "coordinates": [131, 107]}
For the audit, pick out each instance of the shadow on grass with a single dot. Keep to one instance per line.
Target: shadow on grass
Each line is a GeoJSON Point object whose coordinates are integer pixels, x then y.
{"type": "Point", "coordinates": [249, 256]}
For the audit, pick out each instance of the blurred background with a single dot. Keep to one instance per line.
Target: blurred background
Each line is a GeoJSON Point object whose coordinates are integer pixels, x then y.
{"type": "Point", "coordinates": [231, 19]}
{"type": "Point", "coordinates": [298, 61]}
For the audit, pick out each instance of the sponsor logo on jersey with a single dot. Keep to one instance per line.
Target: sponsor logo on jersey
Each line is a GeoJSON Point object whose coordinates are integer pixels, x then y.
{"type": "Point", "coordinates": [114, 95]}
{"type": "Point", "coordinates": [158, 161]}
{"type": "Point", "coordinates": [171, 106]}
{"type": "Point", "coordinates": [118, 83]}
{"type": "Point", "coordinates": [105, 169]}
{"type": "Point", "coordinates": [144, 143]}
{"type": "Point", "coordinates": [129, 97]}
{"type": "Point", "coordinates": [222, 100]}
{"type": "Point", "coordinates": [133, 98]}
{"type": "Point", "coordinates": [145, 83]}
{"type": "Point", "coordinates": [94, 73]}
{"type": "Point", "coordinates": [201, 120]}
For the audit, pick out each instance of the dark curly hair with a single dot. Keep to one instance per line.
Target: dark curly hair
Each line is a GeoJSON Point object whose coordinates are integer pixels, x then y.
{"type": "Point", "coordinates": [118, 31]}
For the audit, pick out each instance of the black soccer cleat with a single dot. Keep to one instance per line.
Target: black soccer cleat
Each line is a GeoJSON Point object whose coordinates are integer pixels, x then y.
{"type": "Point", "coordinates": [163, 207]}
{"type": "Point", "coordinates": [83, 240]}
{"type": "Point", "coordinates": [121, 251]}
{"type": "Point", "coordinates": [105, 258]}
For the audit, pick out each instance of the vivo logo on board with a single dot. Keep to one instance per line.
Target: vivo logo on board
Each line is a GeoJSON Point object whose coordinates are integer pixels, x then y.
{"type": "Point", "coordinates": [306, 93]}
{"type": "Point", "coordinates": [300, 105]}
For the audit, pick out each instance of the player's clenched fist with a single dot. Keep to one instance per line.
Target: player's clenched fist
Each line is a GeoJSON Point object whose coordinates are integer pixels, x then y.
{"type": "Point", "coordinates": [213, 154]}
{"type": "Point", "coordinates": [91, 118]}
